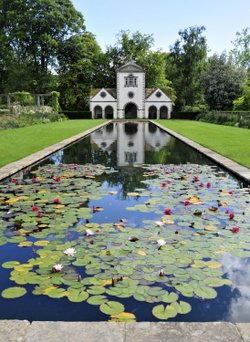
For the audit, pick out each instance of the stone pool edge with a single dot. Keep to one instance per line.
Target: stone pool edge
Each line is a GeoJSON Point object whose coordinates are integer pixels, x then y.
{"type": "Point", "coordinates": [14, 167]}
{"type": "Point", "coordinates": [241, 171]}
{"type": "Point", "coordinates": [40, 331]}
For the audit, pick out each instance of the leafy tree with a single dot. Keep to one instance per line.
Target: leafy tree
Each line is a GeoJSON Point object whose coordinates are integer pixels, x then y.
{"type": "Point", "coordinates": [187, 59]}
{"type": "Point", "coordinates": [33, 30]}
{"type": "Point", "coordinates": [78, 57]}
{"type": "Point", "coordinates": [241, 51]}
{"type": "Point", "coordinates": [243, 102]}
{"type": "Point", "coordinates": [221, 82]}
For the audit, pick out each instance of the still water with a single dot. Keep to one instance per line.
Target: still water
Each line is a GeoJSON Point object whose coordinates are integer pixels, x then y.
{"type": "Point", "coordinates": [125, 148]}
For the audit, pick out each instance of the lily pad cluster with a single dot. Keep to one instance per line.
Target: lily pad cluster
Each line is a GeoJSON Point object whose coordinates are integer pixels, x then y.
{"type": "Point", "coordinates": [176, 255]}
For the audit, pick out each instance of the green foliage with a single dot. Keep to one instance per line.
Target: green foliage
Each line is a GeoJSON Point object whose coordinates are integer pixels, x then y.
{"type": "Point", "coordinates": [185, 62]}
{"type": "Point", "coordinates": [221, 82]}
{"type": "Point", "coordinates": [243, 102]}
{"type": "Point", "coordinates": [238, 119]}
{"type": "Point", "coordinates": [55, 100]}
{"type": "Point", "coordinates": [241, 51]}
{"type": "Point", "coordinates": [22, 97]}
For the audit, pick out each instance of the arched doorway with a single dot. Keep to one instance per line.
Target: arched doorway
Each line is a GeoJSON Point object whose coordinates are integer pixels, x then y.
{"type": "Point", "coordinates": [164, 112]}
{"type": "Point", "coordinates": [130, 111]}
{"type": "Point", "coordinates": [98, 112]}
{"type": "Point", "coordinates": [152, 112]}
{"type": "Point", "coordinates": [109, 112]}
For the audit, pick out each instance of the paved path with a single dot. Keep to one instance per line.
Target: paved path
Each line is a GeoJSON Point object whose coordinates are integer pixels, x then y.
{"type": "Point", "coordinates": [23, 331]}
{"type": "Point", "coordinates": [239, 170]}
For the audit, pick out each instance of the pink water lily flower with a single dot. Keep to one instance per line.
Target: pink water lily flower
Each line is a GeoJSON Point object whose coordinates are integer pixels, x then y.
{"type": "Point", "coordinates": [201, 185]}
{"type": "Point", "coordinates": [168, 211]}
{"type": "Point", "coordinates": [33, 180]}
{"type": "Point", "coordinates": [39, 215]}
{"type": "Point", "coordinates": [164, 184]}
{"type": "Point", "coordinates": [195, 179]}
{"type": "Point", "coordinates": [56, 200]}
{"type": "Point", "coordinates": [13, 181]}
{"type": "Point", "coordinates": [57, 179]}
{"type": "Point", "coordinates": [35, 208]}
{"type": "Point", "coordinates": [209, 185]}
{"type": "Point", "coordinates": [231, 216]}
{"type": "Point", "coordinates": [186, 202]}
{"type": "Point", "coordinates": [227, 211]}
{"type": "Point", "coordinates": [235, 230]}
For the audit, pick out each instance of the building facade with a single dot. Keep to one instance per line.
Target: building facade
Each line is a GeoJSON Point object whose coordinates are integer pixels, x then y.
{"type": "Point", "coordinates": [130, 99]}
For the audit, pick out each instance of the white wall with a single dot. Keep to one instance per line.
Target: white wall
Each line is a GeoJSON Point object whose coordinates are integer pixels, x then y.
{"type": "Point", "coordinates": [103, 102]}
{"type": "Point", "coordinates": [122, 93]}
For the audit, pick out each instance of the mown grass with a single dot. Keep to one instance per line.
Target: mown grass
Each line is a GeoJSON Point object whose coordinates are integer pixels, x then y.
{"type": "Point", "coordinates": [231, 142]}
{"type": "Point", "coordinates": [20, 142]}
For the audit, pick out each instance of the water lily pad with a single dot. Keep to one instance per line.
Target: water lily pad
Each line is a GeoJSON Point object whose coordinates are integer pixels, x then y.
{"type": "Point", "coordinates": [14, 292]}
{"type": "Point", "coordinates": [112, 308]}
{"type": "Point", "coordinates": [97, 300]}
{"type": "Point", "coordinates": [10, 264]}
{"type": "Point", "coordinates": [163, 313]}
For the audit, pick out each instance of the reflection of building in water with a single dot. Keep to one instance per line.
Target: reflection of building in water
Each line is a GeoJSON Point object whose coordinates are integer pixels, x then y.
{"type": "Point", "coordinates": [133, 139]}
{"type": "Point", "coordinates": [105, 137]}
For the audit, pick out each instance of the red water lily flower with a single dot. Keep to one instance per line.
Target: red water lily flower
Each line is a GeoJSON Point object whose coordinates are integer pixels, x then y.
{"type": "Point", "coordinates": [13, 180]}
{"type": "Point", "coordinates": [164, 184]}
{"type": "Point", "coordinates": [35, 208]}
{"type": "Point", "coordinates": [231, 216]}
{"type": "Point", "coordinates": [57, 179]}
{"type": "Point", "coordinates": [195, 179]}
{"type": "Point", "coordinates": [186, 202]}
{"type": "Point", "coordinates": [53, 187]}
{"type": "Point", "coordinates": [56, 200]}
{"type": "Point", "coordinates": [227, 211]}
{"type": "Point", "coordinates": [208, 185]}
{"type": "Point", "coordinates": [39, 215]}
{"type": "Point", "coordinates": [235, 230]}
{"type": "Point", "coordinates": [167, 211]}
{"type": "Point", "coordinates": [74, 166]}
{"type": "Point", "coordinates": [33, 180]}
{"type": "Point", "coordinates": [201, 185]}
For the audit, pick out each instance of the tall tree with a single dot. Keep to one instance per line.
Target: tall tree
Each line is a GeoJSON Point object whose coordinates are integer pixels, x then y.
{"type": "Point", "coordinates": [187, 58]}
{"type": "Point", "coordinates": [221, 82]}
{"type": "Point", "coordinates": [33, 30]}
{"type": "Point", "coordinates": [78, 59]}
{"type": "Point", "coordinates": [243, 102]}
{"type": "Point", "coordinates": [241, 51]}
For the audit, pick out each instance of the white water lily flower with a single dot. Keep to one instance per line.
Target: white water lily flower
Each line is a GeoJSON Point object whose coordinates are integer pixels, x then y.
{"type": "Point", "coordinates": [89, 232]}
{"type": "Point", "coordinates": [70, 251]}
{"type": "Point", "coordinates": [161, 242]}
{"type": "Point", "coordinates": [58, 267]}
{"type": "Point", "coordinates": [159, 223]}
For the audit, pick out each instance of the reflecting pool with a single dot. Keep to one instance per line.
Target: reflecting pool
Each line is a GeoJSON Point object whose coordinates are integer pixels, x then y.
{"type": "Point", "coordinates": [127, 224]}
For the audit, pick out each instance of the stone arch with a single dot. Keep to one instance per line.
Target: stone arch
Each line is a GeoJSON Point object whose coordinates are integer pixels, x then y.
{"type": "Point", "coordinates": [164, 112]}
{"type": "Point", "coordinates": [98, 112]}
{"type": "Point", "coordinates": [130, 111]}
{"type": "Point", "coordinates": [109, 112]}
{"type": "Point", "coordinates": [152, 112]}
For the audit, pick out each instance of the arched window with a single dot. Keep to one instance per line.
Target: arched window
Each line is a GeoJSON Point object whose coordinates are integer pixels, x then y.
{"type": "Point", "coordinates": [152, 112]}
{"type": "Point", "coordinates": [109, 112]}
{"type": "Point", "coordinates": [164, 112]}
{"type": "Point", "coordinates": [98, 112]}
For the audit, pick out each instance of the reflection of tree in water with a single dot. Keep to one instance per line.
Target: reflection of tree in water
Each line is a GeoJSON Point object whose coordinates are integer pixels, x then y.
{"type": "Point", "coordinates": [126, 179]}
{"type": "Point", "coordinates": [176, 152]}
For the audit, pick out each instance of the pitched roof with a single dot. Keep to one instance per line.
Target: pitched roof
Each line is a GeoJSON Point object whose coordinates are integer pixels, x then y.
{"type": "Point", "coordinates": [111, 91]}
{"type": "Point", "coordinates": [130, 67]}
{"type": "Point", "coordinates": [149, 91]}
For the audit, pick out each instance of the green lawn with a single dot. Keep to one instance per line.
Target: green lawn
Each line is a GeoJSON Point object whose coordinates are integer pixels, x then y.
{"type": "Point", "coordinates": [231, 142]}
{"type": "Point", "coordinates": [20, 142]}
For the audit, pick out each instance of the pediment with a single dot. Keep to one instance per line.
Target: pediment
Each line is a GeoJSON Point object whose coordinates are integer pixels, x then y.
{"type": "Point", "coordinates": [130, 68]}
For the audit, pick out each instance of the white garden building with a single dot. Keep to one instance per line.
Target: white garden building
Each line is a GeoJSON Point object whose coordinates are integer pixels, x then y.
{"type": "Point", "coordinates": [130, 99]}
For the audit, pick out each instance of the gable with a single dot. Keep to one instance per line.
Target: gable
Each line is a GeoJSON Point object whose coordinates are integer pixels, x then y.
{"type": "Point", "coordinates": [104, 95]}
{"type": "Point", "coordinates": [157, 95]}
{"type": "Point", "coordinates": [130, 67]}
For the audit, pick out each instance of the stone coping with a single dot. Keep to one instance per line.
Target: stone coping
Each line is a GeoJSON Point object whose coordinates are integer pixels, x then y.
{"type": "Point", "coordinates": [237, 169]}
{"type": "Point", "coordinates": [24, 331]}
{"type": "Point", "coordinates": [36, 157]}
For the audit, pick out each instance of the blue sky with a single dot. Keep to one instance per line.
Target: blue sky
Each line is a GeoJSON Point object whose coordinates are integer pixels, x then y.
{"type": "Point", "coordinates": [164, 18]}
